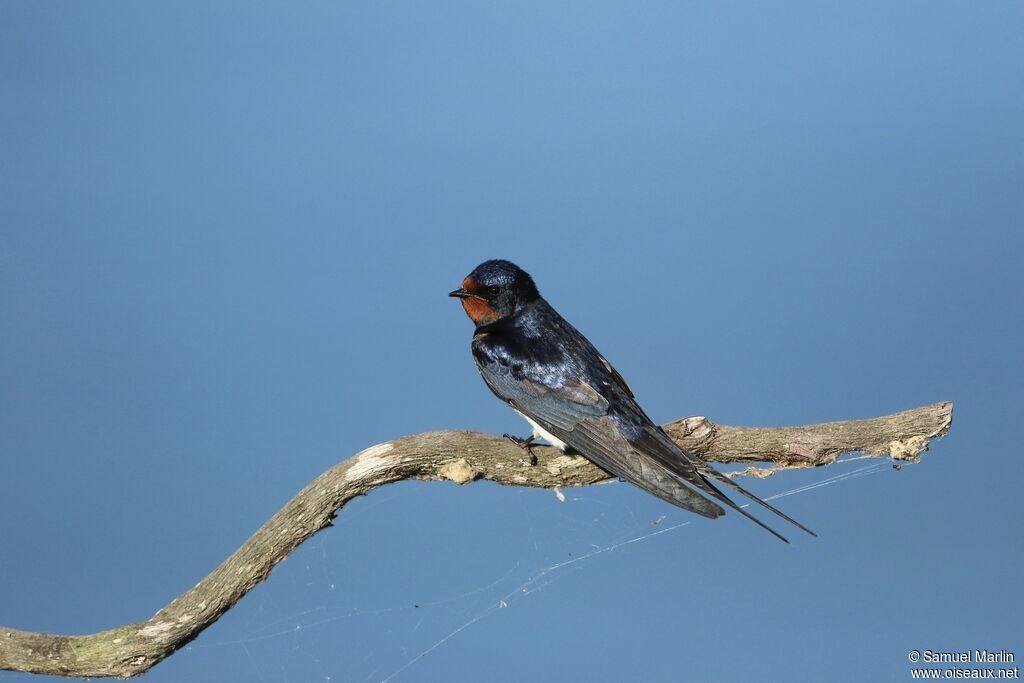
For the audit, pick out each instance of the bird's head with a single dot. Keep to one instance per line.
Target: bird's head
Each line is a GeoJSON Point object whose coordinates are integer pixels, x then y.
{"type": "Point", "coordinates": [494, 290]}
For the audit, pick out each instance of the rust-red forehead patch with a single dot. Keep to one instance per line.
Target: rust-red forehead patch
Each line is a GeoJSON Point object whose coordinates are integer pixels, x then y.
{"type": "Point", "coordinates": [478, 311]}
{"type": "Point", "coordinates": [470, 285]}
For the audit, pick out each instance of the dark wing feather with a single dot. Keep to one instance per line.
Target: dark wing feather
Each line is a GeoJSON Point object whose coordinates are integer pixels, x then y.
{"type": "Point", "coordinates": [600, 440]}
{"type": "Point", "coordinates": [616, 376]}
{"type": "Point", "coordinates": [656, 442]}
{"type": "Point", "coordinates": [577, 414]}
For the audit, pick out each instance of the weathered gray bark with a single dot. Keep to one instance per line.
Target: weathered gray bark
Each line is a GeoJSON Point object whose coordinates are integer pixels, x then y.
{"type": "Point", "coordinates": [458, 456]}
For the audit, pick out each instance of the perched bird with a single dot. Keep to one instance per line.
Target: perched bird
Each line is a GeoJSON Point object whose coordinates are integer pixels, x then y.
{"type": "Point", "coordinates": [549, 373]}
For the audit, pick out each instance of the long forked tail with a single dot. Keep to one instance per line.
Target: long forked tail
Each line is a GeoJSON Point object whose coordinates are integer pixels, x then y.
{"type": "Point", "coordinates": [718, 476]}
{"type": "Point", "coordinates": [655, 442]}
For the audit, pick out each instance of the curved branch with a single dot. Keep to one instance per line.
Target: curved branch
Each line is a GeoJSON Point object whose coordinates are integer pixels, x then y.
{"type": "Point", "coordinates": [458, 456]}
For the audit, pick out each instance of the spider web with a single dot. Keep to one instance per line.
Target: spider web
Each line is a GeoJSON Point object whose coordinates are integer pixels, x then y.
{"type": "Point", "coordinates": [312, 622]}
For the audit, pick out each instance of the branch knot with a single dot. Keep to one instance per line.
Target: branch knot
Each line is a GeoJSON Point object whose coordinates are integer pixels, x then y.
{"type": "Point", "coordinates": [459, 471]}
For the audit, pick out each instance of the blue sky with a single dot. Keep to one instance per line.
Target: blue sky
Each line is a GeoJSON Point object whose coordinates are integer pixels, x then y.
{"type": "Point", "coordinates": [226, 236]}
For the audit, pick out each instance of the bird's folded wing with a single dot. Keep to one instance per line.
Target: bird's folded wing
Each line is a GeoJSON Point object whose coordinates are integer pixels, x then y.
{"type": "Point", "coordinates": [598, 439]}
{"type": "Point", "coordinates": [578, 415]}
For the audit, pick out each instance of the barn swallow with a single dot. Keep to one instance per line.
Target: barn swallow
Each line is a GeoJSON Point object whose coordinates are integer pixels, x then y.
{"type": "Point", "coordinates": [549, 373]}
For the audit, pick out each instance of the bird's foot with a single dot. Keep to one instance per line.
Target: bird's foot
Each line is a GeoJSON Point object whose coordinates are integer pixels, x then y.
{"type": "Point", "coordinates": [525, 444]}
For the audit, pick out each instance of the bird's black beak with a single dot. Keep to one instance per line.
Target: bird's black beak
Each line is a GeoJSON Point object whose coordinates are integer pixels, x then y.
{"type": "Point", "coordinates": [462, 293]}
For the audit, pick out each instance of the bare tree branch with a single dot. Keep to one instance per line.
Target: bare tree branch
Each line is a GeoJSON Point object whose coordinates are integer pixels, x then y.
{"type": "Point", "coordinates": [457, 456]}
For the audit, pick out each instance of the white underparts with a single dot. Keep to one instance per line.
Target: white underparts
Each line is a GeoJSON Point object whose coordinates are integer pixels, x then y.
{"type": "Point", "coordinates": [540, 433]}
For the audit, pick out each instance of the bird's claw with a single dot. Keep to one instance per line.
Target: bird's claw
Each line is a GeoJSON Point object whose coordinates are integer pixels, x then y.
{"type": "Point", "coordinates": [525, 444]}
